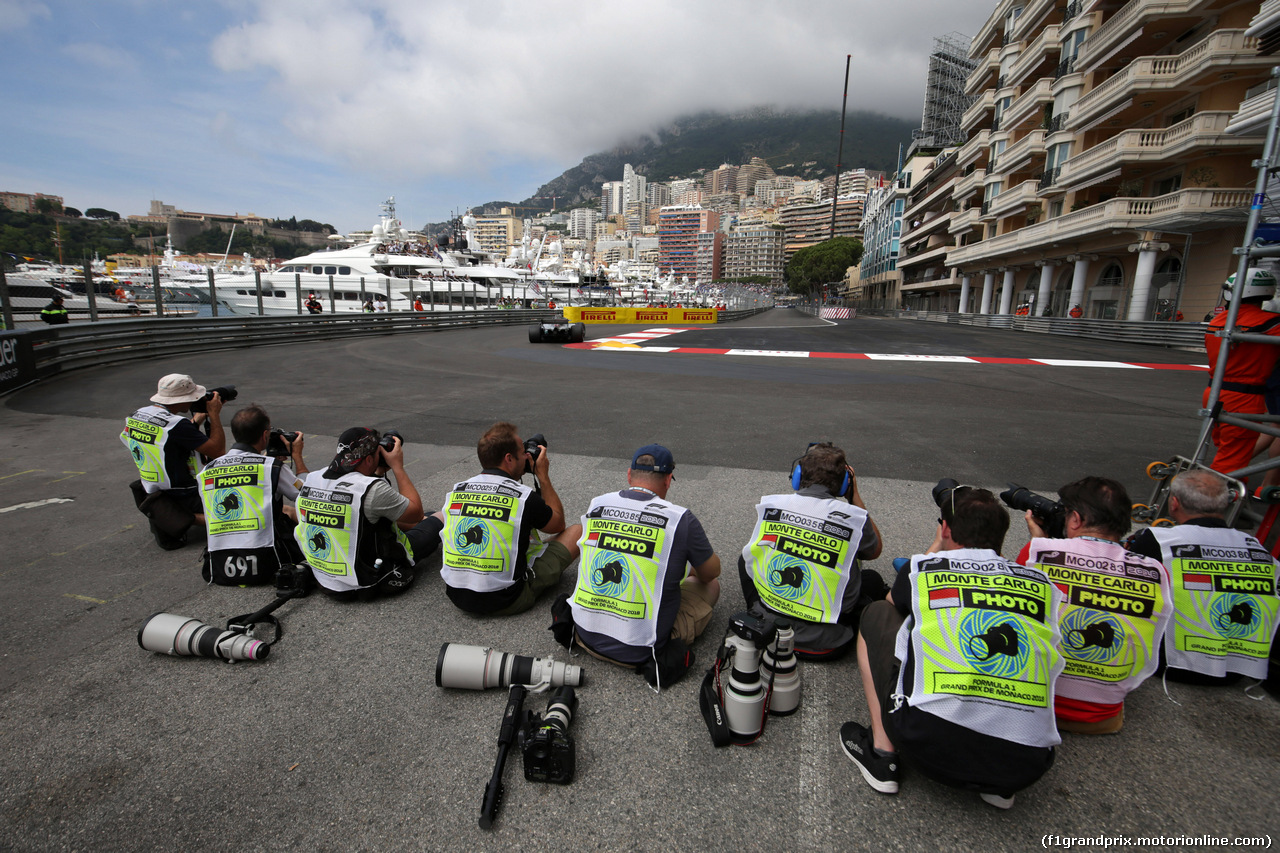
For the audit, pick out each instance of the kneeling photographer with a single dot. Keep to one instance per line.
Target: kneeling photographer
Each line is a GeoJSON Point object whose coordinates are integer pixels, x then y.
{"type": "Point", "coordinates": [244, 494]}
{"type": "Point", "coordinates": [360, 536]}
{"type": "Point", "coordinates": [1118, 603]}
{"type": "Point", "coordinates": [803, 558]}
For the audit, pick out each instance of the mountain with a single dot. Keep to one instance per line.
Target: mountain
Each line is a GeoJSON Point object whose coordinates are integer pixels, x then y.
{"type": "Point", "coordinates": [793, 143]}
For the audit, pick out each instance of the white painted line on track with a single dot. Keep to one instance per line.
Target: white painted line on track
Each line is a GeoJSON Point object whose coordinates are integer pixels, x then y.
{"type": "Point", "coordinates": [34, 504]}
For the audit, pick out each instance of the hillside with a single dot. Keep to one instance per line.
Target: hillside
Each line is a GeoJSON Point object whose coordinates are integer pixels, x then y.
{"type": "Point", "coordinates": [793, 143]}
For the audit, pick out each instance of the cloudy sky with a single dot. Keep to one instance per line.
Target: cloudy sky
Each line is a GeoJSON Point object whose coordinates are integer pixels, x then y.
{"type": "Point", "coordinates": [323, 108]}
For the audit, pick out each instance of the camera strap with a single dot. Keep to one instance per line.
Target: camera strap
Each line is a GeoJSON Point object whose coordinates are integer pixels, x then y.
{"type": "Point", "coordinates": [246, 623]}
{"type": "Point", "coordinates": [712, 707]}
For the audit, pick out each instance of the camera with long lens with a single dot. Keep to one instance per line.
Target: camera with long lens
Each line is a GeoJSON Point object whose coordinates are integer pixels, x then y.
{"type": "Point", "coordinates": [545, 742]}
{"type": "Point", "coordinates": [478, 668]}
{"type": "Point", "coordinates": [388, 440]}
{"type": "Point", "coordinates": [945, 491]}
{"type": "Point", "coordinates": [1051, 515]}
{"type": "Point", "coordinates": [533, 446]}
{"type": "Point", "coordinates": [748, 697]}
{"type": "Point", "coordinates": [226, 392]}
{"type": "Point", "coordinates": [276, 442]}
{"type": "Point", "coordinates": [167, 633]}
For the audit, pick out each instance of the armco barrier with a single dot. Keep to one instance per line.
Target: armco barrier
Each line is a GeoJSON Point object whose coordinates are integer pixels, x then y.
{"type": "Point", "coordinates": [1183, 336]}
{"type": "Point", "coordinates": [30, 355]}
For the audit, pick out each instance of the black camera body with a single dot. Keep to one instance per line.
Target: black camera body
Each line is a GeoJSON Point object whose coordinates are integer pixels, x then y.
{"type": "Point", "coordinates": [533, 446]}
{"type": "Point", "coordinates": [294, 580]}
{"type": "Point", "coordinates": [1051, 515]}
{"type": "Point", "coordinates": [945, 491]}
{"type": "Point", "coordinates": [388, 440]}
{"type": "Point", "coordinates": [750, 627]}
{"type": "Point", "coordinates": [548, 750]}
{"type": "Point", "coordinates": [276, 443]}
{"type": "Point", "coordinates": [226, 392]}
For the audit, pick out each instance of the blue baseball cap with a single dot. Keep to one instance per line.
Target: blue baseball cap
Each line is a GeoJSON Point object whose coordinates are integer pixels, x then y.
{"type": "Point", "coordinates": [663, 461]}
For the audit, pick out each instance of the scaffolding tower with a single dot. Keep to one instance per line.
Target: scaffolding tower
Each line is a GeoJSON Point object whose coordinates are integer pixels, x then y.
{"type": "Point", "coordinates": [945, 100]}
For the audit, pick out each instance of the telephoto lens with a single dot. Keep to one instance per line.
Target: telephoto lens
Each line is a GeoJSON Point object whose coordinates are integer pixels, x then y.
{"type": "Point", "coordinates": [478, 668]}
{"type": "Point", "coordinates": [169, 634]}
{"type": "Point", "coordinates": [780, 660]}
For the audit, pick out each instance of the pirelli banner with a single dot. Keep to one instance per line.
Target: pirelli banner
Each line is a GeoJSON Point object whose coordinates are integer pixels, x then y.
{"type": "Point", "coordinates": [641, 315]}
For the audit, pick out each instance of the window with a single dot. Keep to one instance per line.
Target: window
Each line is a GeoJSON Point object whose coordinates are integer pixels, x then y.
{"type": "Point", "coordinates": [1055, 209]}
{"type": "Point", "coordinates": [344, 270]}
{"type": "Point", "coordinates": [1169, 185]}
{"type": "Point", "coordinates": [317, 270]}
{"type": "Point", "coordinates": [330, 270]}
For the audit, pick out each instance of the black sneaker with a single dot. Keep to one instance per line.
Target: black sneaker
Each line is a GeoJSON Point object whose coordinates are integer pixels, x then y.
{"type": "Point", "coordinates": [881, 772]}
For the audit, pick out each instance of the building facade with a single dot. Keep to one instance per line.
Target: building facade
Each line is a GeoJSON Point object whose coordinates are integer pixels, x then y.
{"type": "Point", "coordinates": [678, 229]}
{"type": "Point", "coordinates": [756, 249]}
{"type": "Point", "coordinates": [1098, 177]}
{"type": "Point", "coordinates": [809, 223]}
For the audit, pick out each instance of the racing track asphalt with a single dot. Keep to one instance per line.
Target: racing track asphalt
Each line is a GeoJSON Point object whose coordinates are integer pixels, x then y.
{"type": "Point", "coordinates": [341, 740]}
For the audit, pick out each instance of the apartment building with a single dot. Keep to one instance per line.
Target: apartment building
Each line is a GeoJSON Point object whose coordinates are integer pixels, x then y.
{"type": "Point", "coordinates": [928, 282]}
{"type": "Point", "coordinates": [709, 259]}
{"type": "Point", "coordinates": [496, 232]}
{"type": "Point", "coordinates": [755, 249]}
{"type": "Point", "coordinates": [26, 202]}
{"type": "Point", "coordinates": [1098, 173]}
{"type": "Point", "coordinates": [878, 274]}
{"type": "Point", "coordinates": [582, 222]}
{"type": "Point", "coordinates": [678, 229]}
{"type": "Point", "coordinates": [809, 223]}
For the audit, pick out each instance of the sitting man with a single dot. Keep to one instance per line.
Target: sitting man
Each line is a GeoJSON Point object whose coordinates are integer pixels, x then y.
{"type": "Point", "coordinates": [360, 536]}
{"type": "Point", "coordinates": [802, 560]}
{"type": "Point", "coordinates": [633, 604]}
{"type": "Point", "coordinates": [494, 563]}
{"type": "Point", "coordinates": [956, 681]}
{"type": "Point", "coordinates": [1118, 604]}
{"type": "Point", "coordinates": [1224, 586]}
{"type": "Point", "coordinates": [244, 493]}
{"type": "Point", "coordinates": [164, 444]}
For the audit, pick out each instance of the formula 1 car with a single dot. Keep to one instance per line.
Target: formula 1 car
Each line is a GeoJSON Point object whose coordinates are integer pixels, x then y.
{"type": "Point", "coordinates": [557, 329]}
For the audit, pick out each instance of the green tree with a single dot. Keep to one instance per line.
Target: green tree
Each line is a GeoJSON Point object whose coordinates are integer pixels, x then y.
{"type": "Point", "coordinates": [828, 261]}
{"type": "Point", "coordinates": [47, 205]}
{"type": "Point", "coordinates": [102, 213]}
{"type": "Point", "coordinates": [71, 211]}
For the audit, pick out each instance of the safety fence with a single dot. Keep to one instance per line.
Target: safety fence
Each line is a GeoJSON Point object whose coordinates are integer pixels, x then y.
{"type": "Point", "coordinates": [31, 355]}
{"type": "Point", "coordinates": [1183, 336]}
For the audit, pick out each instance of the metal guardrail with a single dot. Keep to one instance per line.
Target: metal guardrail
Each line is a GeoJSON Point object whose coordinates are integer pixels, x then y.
{"type": "Point", "coordinates": [58, 349]}
{"type": "Point", "coordinates": [1183, 336]}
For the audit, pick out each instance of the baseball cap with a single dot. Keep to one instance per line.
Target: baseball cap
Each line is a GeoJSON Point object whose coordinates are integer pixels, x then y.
{"type": "Point", "coordinates": [354, 445]}
{"type": "Point", "coordinates": [663, 461]}
{"type": "Point", "coordinates": [177, 388]}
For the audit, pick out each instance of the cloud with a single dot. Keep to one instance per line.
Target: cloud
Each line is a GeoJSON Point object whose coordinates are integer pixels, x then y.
{"type": "Point", "coordinates": [17, 14]}
{"type": "Point", "coordinates": [108, 58]}
{"type": "Point", "coordinates": [421, 88]}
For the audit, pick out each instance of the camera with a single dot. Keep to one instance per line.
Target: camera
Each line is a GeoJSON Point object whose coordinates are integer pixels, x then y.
{"type": "Point", "coordinates": [294, 580]}
{"type": "Point", "coordinates": [167, 633]}
{"type": "Point", "coordinates": [737, 714]}
{"type": "Point", "coordinates": [476, 668]}
{"type": "Point", "coordinates": [945, 491]}
{"type": "Point", "coordinates": [1051, 515]}
{"type": "Point", "coordinates": [545, 742]}
{"type": "Point", "coordinates": [533, 446]}
{"type": "Point", "coordinates": [226, 392]}
{"type": "Point", "coordinates": [276, 443]}
{"type": "Point", "coordinates": [388, 440]}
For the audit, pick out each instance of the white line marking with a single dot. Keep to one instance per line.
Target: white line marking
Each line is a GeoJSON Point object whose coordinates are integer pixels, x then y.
{"type": "Point", "coordinates": [954, 359]}
{"type": "Point", "coordinates": [34, 504]}
{"type": "Point", "coordinates": [1071, 362]}
{"type": "Point", "coordinates": [768, 352]}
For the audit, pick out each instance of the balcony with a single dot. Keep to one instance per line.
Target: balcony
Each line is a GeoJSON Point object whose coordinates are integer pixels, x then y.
{"type": "Point", "coordinates": [1049, 178]}
{"type": "Point", "coordinates": [929, 280]}
{"type": "Point", "coordinates": [1203, 131]}
{"type": "Point", "coordinates": [934, 254]}
{"type": "Point", "coordinates": [1045, 43]}
{"type": "Point", "coordinates": [977, 113]}
{"type": "Point", "coordinates": [1118, 29]}
{"type": "Point", "coordinates": [1012, 200]}
{"type": "Point", "coordinates": [1222, 49]}
{"type": "Point", "coordinates": [1021, 152]}
{"type": "Point", "coordinates": [964, 221]}
{"type": "Point", "coordinates": [1027, 103]}
{"type": "Point", "coordinates": [977, 79]}
{"type": "Point", "coordinates": [974, 149]}
{"type": "Point", "coordinates": [1254, 113]}
{"type": "Point", "coordinates": [1184, 210]}
{"type": "Point", "coordinates": [1075, 7]}
{"type": "Point", "coordinates": [968, 185]}
{"type": "Point", "coordinates": [1032, 14]}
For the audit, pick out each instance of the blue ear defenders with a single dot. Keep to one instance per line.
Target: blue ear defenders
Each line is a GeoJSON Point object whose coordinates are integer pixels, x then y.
{"type": "Point", "coordinates": [845, 484]}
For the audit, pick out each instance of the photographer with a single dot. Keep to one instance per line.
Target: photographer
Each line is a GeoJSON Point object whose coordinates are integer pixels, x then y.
{"type": "Point", "coordinates": [969, 701]}
{"type": "Point", "coordinates": [164, 445]}
{"type": "Point", "coordinates": [360, 536]}
{"type": "Point", "coordinates": [244, 493]}
{"type": "Point", "coordinates": [802, 560]}
{"type": "Point", "coordinates": [1118, 604]}
{"type": "Point", "coordinates": [1224, 586]}
{"type": "Point", "coordinates": [494, 563]}
{"type": "Point", "coordinates": [633, 604]}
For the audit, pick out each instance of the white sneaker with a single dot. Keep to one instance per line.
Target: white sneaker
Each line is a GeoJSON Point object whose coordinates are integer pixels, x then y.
{"type": "Point", "coordinates": [998, 801]}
